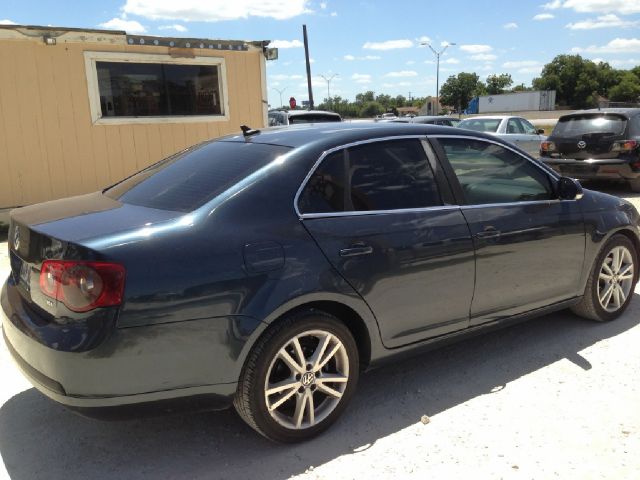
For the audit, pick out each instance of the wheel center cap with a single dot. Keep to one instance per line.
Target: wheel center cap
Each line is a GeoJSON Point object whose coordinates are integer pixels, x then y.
{"type": "Point", "coordinates": [308, 379]}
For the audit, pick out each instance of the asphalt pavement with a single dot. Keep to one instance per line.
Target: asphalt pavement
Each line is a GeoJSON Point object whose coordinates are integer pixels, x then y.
{"type": "Point", "coordinates": [555, 397]}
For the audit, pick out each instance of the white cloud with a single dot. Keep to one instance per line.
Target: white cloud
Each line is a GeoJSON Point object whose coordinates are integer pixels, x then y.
{"type": "Point", "coordinates": [402, 74]}
{"type": "Point", "coordinates": [451, 61]}
{"type": "Point", "coordinates": [510, 26]}
{"type": "Point", "coordinates": [351, 58]}
{"type": "Point", "coordinates": [629, 62]}
{"type": "Point", "coordinates": [617, 45]}
{"type": "Point", "coordinates": [476, 48]}
{"type": "Point", "coordinates": [129, 26]}
{"type": "Point", "coordinates": [323, 5]}
{"type": "Point", "coordinates": [176, 27]}
{"type": "Point", "coordinates": [215, 10]}
{"type": "Point", "coordinates": [483, 57]}
{"type": "Point", "coordinates": [553, 5]}
{"type": "Point", "coordinates": [410, 62]}
{"type": "Point", "coordinates": [604, 21]}
{"type": "Point", "coordinates": [286, 44]}
{"type": "Point", "coordinates": [6, 21]}
{"type": "Point", "coordinates": [622, 7]}
{"type": "Point", "coordinates": [334, 14]}
{"type": "Point", "coordinates": [361, 78]}
{"type": "Point", "coordinates": [530, 69]}
{"type": "Point", "coordinates": [544, 16]}
{"type": "Point", "coordinates": [521, 64]}
{"type": "Point", "coordinates": [423, 39]}
{"type": "Point", "coordinates": [388, 45]}
{"type": "Point", "coordinates": [404, 84]}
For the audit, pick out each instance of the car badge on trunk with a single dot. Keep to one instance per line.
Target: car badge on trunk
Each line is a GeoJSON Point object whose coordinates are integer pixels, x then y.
{"type": "Point", "coordinates": [582, 144]}
{"type": "Point", "coordinates": [16, 238]}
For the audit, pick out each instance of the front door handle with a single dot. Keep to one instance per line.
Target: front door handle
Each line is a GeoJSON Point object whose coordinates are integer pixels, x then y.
{"type": "Point", "coordinates": [356, 249]}
{"type": "Point", "coordinates": [489, 232]}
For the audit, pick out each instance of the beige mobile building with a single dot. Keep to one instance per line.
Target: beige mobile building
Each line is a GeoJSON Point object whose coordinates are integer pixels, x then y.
{"type": "Point", "coordinates": [81, 109]}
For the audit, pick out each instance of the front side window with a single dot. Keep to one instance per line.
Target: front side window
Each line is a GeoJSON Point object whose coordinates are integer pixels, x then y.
{"type": "Point", "coordinates": [387, 175]}
{"type": "Point", "coordinates": [481, 124]}
{"type": "Point", "coordinates": [514, 126]}
{"type": "Point", "coordinates": [529, 129]}
{"type": "Point", "coordinates": [489, 173]}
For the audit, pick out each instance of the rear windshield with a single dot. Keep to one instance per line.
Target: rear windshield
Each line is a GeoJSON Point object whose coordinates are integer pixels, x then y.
{"type": "Point", "coordinates": [579, 125]}
{"type": "Point", "coordinates": [481, 124]}
{"type": "Point", "coordinates": [186, 181]}
{"type": "Point", "coordinates": [313, 118]}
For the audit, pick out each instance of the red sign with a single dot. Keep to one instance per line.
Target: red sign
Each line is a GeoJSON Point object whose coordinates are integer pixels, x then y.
{"type": "Point", "coordinates": [292, 103]}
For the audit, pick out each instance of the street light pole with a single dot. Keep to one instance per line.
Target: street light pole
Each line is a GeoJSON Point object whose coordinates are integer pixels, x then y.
{"type": "Point", "coordinates": [328, 80]}
{"type": "Point", "coordinates": [280, 91]}
{"type": "Point", "coordinates": [437, 54]}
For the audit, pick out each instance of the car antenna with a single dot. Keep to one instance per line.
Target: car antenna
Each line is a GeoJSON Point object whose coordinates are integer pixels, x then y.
{"type": "Point", "coordinates": [248, 131]}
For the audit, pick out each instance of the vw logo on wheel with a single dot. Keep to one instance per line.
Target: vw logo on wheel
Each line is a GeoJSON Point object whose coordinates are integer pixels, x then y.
{"type": "Point", "coordinates": [308, 378]}
{"type": "Point", "coordinates": [582, 144]}
{"type": "Point", "coordinates": [16, 238]}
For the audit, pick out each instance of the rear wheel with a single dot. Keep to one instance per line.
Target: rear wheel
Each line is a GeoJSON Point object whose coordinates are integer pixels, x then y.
{"type": "Point", "coordinates": [613, 278]}
{"type": "Point", "coordinates": [298, 377]}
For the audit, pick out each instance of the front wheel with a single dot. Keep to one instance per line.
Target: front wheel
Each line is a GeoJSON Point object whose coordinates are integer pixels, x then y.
{"type": "Point", "coordinates": [298, 377]}
{"type": "Point", "coordinates": [613, 278]}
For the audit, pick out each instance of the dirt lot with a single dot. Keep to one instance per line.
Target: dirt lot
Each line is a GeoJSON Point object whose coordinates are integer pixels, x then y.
{"type": "Point", "coordinates": [556, 397]}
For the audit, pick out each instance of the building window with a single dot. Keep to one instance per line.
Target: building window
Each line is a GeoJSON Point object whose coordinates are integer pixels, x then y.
{"type": "Point", "coordinates": [139, 88]}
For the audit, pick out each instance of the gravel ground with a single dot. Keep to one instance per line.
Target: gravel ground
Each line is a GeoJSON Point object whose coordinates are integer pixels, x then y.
{"type": "Point", "coordinates": [556, 397]}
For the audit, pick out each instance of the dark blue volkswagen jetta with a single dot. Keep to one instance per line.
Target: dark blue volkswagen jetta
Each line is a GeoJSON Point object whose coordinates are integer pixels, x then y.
{"type": "Point", "coordinates": [267, 269]}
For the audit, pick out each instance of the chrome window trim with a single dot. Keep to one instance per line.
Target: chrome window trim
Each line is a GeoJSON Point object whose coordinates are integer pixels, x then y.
{"type": "Point", "coordinates": [358, 213]}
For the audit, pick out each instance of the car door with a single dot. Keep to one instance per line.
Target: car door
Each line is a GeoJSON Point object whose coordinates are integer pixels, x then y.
{"type": "Point", "coordinates": [514, 133]}
{"type": "Point", "coordinates": [529, 244]}
{"type": "Point", "coordinates": [376, 210]}
{"type": "Point", "coordinates": [531, 142]}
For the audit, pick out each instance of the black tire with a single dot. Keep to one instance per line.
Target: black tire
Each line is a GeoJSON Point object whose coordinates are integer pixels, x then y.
{"type": "Point", "coordinates": [250, 401]}
{"type": "Point", "coordinates": [590, 307]}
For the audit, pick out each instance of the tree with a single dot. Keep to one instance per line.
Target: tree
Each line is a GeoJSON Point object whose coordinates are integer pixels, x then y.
{"type": "Point", "coordinates": [627, 90]}
{"type": "Point", "coordinates": [458, 90]}
{"type": "Point", "coordinates": [497, 84]}
{"type": "Point", "coordinates": [368, 96]}
{"type": "Point", "coordinates": [371, 109]}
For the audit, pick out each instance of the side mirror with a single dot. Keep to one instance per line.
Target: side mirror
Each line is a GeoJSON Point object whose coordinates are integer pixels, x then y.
{"type": "Point", "coordinates": [569, 189]}
{"type": "Point", "coordinates": [540, 131]}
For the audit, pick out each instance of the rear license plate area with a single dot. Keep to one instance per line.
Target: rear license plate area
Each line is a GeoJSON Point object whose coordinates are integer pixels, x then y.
{"type": "Point", "coordinates": [578, 170]}
{"type": "Point", "coordinates": [21, 272]}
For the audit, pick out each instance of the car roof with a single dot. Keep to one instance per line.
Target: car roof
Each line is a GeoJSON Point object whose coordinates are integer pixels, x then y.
{"type": "Point", "coordinates": [329, 135]}
{"type": "Point", "coordinates": [492, 117]}
{"type": "Point", "coordinates": [628, 112]}
{"type": "Point", "coordinates": [302, 113]}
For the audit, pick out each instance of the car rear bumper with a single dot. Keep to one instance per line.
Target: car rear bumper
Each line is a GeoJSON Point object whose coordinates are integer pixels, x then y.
{"type": "Point", "coordinates": [134, 366]}
{"type": "Point", "coordinates": [613, 169]}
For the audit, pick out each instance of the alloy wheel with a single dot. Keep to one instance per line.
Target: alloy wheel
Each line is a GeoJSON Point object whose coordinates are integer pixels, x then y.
{"type": "Point", "coordinates": [306, 379]}
{"type": "Point", "coordinates": [615, 279]}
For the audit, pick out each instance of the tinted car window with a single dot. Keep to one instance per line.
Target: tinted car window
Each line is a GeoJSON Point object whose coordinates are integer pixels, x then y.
{"type": "Point", "coordinates": [188, 180]}
{"type": "Point", "coordinates": [489, 173]}
{"type": "Point", "coordinates": [578, 125]}
{"type": "Point", "coordinates": [481, 125]}
{"type": "Point", "coordinates": [376, 176]}
{"type": "Point", "coordinates": [313, 118]}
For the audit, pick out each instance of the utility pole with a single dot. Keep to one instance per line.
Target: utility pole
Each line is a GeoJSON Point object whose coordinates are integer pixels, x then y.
{"type": "Point", "coordinates": [306, 55]}
{"type": "Point", "coordinates": [280, 91]}
{"type": "Point", "coordinates": [437, 54]}
{"type": "Point", "coordinates": [328, 80]}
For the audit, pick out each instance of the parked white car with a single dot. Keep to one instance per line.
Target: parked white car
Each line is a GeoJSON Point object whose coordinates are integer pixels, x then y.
{"type": "Point", "coordinates": [516, 130]}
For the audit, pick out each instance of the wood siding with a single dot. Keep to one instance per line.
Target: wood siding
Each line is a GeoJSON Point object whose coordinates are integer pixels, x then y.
{"type": "Point", "coordinates": [49, 147]}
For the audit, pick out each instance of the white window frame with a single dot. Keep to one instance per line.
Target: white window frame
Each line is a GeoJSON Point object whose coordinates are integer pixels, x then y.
{"type": "Point", "coordinates": [90, 59]}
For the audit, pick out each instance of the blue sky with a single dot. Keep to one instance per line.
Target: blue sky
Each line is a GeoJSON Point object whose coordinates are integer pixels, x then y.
{"type": "Point", "coordinates": [373, 44]}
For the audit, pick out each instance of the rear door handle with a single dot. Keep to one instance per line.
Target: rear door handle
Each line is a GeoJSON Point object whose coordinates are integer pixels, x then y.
{"type": "Point", "coordinates": [488, 232]}
{"type": "Point", "coordinates": [356, 249]}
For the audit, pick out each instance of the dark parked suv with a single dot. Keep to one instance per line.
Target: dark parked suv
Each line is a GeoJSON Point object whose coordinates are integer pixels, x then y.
{"type": "Point", "coordinates": [596, 144]}
{"type": "Point", "coordinates": [267, 269]}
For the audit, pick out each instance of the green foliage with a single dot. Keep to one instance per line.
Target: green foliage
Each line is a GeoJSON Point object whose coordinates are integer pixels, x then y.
{"type": "Point", "coordinates": [497, 84]}
{"type": "Point", "coordinates": [371, 109]}
{"type": "Point", "coordinates": [458, 90]}
{"type": "Point", "coordinates": [627, 90]}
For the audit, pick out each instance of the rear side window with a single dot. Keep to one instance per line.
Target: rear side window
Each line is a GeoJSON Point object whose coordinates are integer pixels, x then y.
{"type": "Point", "coordinates": [388, 175]}
{"type": "Point", "coordinates": [313, 118]}
{"type": "Point", "coordinates": [578, 125]}
{"type": "Point", "coordinates": [186, 181]}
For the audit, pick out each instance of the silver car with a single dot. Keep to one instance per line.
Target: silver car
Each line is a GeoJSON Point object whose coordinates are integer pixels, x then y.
{"type": "Point", "coordinates": [516, 130]}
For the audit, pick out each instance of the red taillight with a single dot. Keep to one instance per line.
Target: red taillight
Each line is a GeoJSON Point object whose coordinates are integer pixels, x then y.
{"type": "Point", "coordinates": [547, 146]}
{"type": "Point", "coordinates": [83, 286]}
{"type": "Point", "coordinates": [624, 146]}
